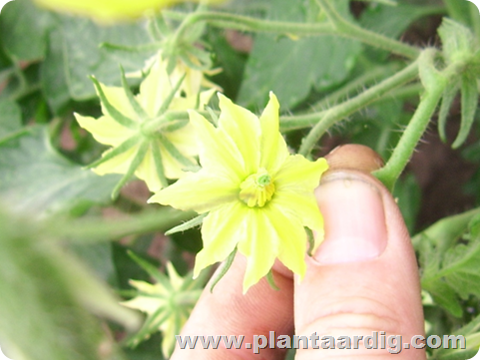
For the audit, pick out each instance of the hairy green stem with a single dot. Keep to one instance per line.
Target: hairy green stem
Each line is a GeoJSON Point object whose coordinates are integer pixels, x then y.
{"type": "Point", "coordinates": [339, 27]}
{"type": "Point", "coordinates": [353, 87]}
{"type": "Point", "coordinates": [416, 127]}
{"type": "Point", "coordinates": [340, 111]}
{"type": "Point", "coordinates": [348, 29]}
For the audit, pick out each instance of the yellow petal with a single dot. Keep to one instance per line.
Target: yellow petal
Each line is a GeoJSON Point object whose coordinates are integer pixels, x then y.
{"type": "Point", "coordinates": [302, 206]}
{"type": "Point", "coordinates": [105, 130]}
{"type": "Point", "coordinates": [292, 239]}
{"type": "Point", "coordinates": [198, 191]}
{"type": "Point", "coordinates": [147, 171]}
{"type": "Point", "coordinates": [273, 147]}
{"type": "Point", "coordinates": [260, 245]}
{"type": "Point", "coordinates": [184, 139]}
{"type": "Point", "coordinates": [119, 164]}
{"type": "Point", "coordinates": [218, 153]}
{"type": "Point", "coordinates": [117, 98]}
{"type": "Point", "coordinates": [155, 88]}
{"type": "Point", "coordinates": [220, 236]}
{"type": "Point", "coordinates": [243, 128]}
{"type": "Point", "coordinates": [299, 174]}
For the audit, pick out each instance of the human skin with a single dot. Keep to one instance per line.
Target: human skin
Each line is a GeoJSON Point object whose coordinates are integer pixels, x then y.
{"type": "Point", "coordinates": [363, 278]}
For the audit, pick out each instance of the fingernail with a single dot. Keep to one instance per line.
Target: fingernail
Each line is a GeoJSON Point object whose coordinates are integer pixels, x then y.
{"type": "Point", "coordinates": [353, 211]}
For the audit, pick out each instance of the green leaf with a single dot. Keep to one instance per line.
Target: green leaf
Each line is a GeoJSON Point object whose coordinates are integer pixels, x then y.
{"type": "Point", "coordinates": [279, 64]}
{"type": "Point", "coordinates": [458, 10]}
{"type": "Point", "coordinates": [450, 269]}
{"type": "Point", "coordinates": [84, 57]}
{"type": "Point", "coordinates": [392, 21]}
{"type": "Point", "coordinates": [461, 270]}
{"type": "Point", "coordinates": [36, 179]}
{"type": "Point", "coordinates": [52, 74]}
{"type": "Point", "coordinates": [23, 30]}
{"type": "Point", "coordinates": [469, 92]}
{"type": "Point", "coordinates": [10, 118]}
{"type": "Point", "coordinates": [58, 294]}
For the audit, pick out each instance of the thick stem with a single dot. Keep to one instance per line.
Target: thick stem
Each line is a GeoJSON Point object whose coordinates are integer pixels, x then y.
{"type": "Point", "coordinates": [410, 138]}
{"type": "Point", "coordinates": [416, 127]}
{"type": "Point", "coordinates": [339, 112]}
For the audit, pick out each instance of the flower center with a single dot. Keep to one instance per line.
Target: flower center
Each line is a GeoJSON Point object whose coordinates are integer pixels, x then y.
{"type": "Point", "coordinates": [257, 189]}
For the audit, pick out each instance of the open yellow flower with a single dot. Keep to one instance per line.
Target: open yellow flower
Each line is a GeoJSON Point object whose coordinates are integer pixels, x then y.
{"type": "Point", "coordinates": [258, 197]}
{"type": "Point", "coordinates": [152, 153]}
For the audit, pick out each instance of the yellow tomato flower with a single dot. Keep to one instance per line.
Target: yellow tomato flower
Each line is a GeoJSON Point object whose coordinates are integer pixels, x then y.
{"type": "Point", "coordinates": [167, 304]}
{"type": "Point", "coordinates": [258, 196]}
{"type": "Point", "coordinates": [152, 154]}
{"type": "Point", "coordinates": [110, 10]}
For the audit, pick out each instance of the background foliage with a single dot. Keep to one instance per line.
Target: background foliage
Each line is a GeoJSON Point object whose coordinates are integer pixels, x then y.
{"type": "Point", "coordinates": [64, 241]}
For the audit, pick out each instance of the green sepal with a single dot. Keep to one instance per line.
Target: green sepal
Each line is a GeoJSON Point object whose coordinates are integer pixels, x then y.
{"type": "Point", "coordinates": [271, 281]}
{"type": "Point", "coordinates": [196, 221]}
{"type": "Point", "coordinates": [137, 160]}
{"type": "Point", "coordinates": [131, 98]}
{"type": "Point", "coordinates": [158, 28]}
{"type": "Point", "coordinates": [222, 270]}
{"type": "Point", "coordinates": [154, 46]}
{"type": "Point", "coordinates": [157, 160]}
{"type": "Point", "coordinates": [447, 100]}
{"type": "Point", "coordinates": [150, 326]}
{"type": "Point", "coordinates": [198, 283]}
{"type": "Point", "coordinates": [469, 106]}
{"type": "Point", "coordinates": [112, 111]}
{"type": "Point", "coordinates": [311, 241]}
{"type": "Point", "coordinates": [158, 276]}
{"type": "Point", "coordinates": [173, 125]}
{"type": "Point", "coordinates": [172, 150]}
{"type": "Point", "coordinates": [168, 100]}
{"type": "Point", "coordinates": [213, 115]}
{"type": "Point", "coordinates": [205, 61]}
{"type": "Point", "coordinates": [116, 151]}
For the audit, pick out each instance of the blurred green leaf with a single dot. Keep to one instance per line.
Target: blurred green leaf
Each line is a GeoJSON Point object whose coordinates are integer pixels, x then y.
{"type": "Point", "coordinates": [23, 30]}
{"type": "Point", "coordinates": [84, 57]}
{"type": "Point", "coordinates": [98, 257]}
{"type": "Point", "coordinates": [48, 299]}
{"type": "Point", "coordinates": [290, 68]}
{"type": "Point", "coordinates": [458, 10]}
{"type": "Point", "coordinates": [36, 179]}
{"type": "Point", "coordinates": [10, 118]}
{"type": "Point", "coordinates": [52, 73]}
